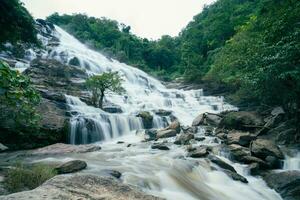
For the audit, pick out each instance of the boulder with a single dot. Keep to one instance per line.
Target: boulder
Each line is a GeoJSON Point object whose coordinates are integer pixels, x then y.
{"type": "Point", "coordinates": [198, 152]}
{"type": "Point", "coordinates": [184, 138]}
{"type": "Point", "coordinates": [165, 133]}
{"type": "Point", "coordinates": [262, 148]}
{"type": "Point", "coordinates": [71, 167]}
{"type": "Point", "coordinates": [175, 126]}
{"type": "Point", "coordinates": [160, 147]}
{"type": "Point", "coordinates": [254, 169]}
{"type": "Point", "coordinates": [60, 148]}
{"type": "Point", "coordinates": [274, 162]}
{"type": "Point", "coordinates": [82, 187]}
{"type": "Point", "coordinates": [241, 138]}
{"type": "Point", "coordinates": [3, 147]}
{"type": "Point", "coordinates": [162, 112]}
{"type": "Point", "coordinates": [286, 183]}
{"type": "Point", "coordinates": [74, 61]}
{"type": "Point", "coordinates": [241, 120]}
{"type": "Point", "coordinates": [238, 152]}
{"type": "Point", "coordinates": [147, 119]}
{"type": "Point", "coordinates": [235, 176]}
{"type": "Point", "coordinates": [198, 120]}
{"type": "Point", "coordinates": [221, 163]}
{"type": "Point", "coordinates": [109, 172]}
{"type": "Point", "coordinates": [150, 134]}
{"type": "Point", "coordinates": [207, 119]}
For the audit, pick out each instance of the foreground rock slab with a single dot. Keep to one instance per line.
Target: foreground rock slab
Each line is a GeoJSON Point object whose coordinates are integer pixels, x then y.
{"type": "Point", "coordinates": [71, 166]}
{"type": "Point", "coordinates": [61, 148]}
{"type": "Point", "coordinates": [82, 187]}
{"type": "Point", "coordinates": [287, 184]}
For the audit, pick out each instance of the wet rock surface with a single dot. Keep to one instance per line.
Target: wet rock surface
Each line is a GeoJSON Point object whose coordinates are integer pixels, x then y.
{"type": "Point", "coordinates": [71, 167]}
{"type": "Point", "coordinates": [82, 187]}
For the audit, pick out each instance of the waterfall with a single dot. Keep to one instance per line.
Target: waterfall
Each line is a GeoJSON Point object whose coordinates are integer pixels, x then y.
{"type": "Point", "coordinates": [143, 93]}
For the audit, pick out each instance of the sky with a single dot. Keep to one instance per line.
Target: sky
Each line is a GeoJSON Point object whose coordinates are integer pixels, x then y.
{"type": "Point", "coordinates": [148, 18]}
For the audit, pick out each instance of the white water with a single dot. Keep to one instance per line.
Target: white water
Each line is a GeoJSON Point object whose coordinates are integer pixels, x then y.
{"type": "Point", "coordinates": [169, 174]}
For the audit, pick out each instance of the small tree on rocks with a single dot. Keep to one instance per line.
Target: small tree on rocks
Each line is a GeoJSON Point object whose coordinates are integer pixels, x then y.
{"type": "Point", "coordinates": [99, 84]}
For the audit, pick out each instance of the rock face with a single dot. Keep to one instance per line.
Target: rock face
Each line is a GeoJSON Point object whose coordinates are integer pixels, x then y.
{"type": "Point", "coordinates": [263, 148]}
{"type": "Point", "coordinates": [287, 184]}
{"type": "Point", "coordinates": [82, 187]}
{"type": "Point", "coordinates": [147, 119]}
{"type": "Point", "coordinates": [241, 121]}
{"type": "Point", "coordinates": [71, 167]}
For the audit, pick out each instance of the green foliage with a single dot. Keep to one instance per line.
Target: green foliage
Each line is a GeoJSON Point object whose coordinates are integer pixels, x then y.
{"type": "Point", "coordinates": [99, 84]}
{"type": "Point", "coordinates": [16, 23]}
{"type": "Point", "coordinates": [18, 99]}
{"type": "Point", "coordinates": [262, 59]}
{"type": "Point", "coordinates": [21, 178]}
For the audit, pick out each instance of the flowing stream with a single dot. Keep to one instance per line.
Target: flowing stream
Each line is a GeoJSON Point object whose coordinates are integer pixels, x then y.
{"type": "Point", "coordinates": [169, 174]}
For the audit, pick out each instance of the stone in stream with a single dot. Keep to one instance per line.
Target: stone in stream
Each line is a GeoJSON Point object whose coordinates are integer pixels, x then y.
{"type": "Point", "coordinates": [263, 148]}
{"type": "Point", "coordinates": [160, 147]}
{"type": "Point", "coordinates": [147, 119]}
{"type": "Point", "coordinates": [71, 167]}
{"type": "Point", "coordinates": [198, 152]}
{"type": "Point", "coordinates": [174, 126]}
{"type": "Point", "coordinates": [184, 138]}
{"type": "Point", "coordinates": [286, 183]}
{"type": "Point", "coordinates": [82, 187]}
{"type": "Point", "coordinates": [241, 138]}
{"type": "Point", "coordinates": [207, 119]}
{"type": "Point", "coordinates": [221, 163]}
{"type": "Point", "coordinates": [109, 172]}
{"type": "Point", "coordinates": [235, 176]}
{"type": "Point", "coordinates": [165, 133]}
{"type": "Point", "coordinates": [238, 152]}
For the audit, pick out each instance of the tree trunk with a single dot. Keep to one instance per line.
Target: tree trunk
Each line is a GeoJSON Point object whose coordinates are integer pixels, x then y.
{"type": "Point", "coordinates": [101, 99]}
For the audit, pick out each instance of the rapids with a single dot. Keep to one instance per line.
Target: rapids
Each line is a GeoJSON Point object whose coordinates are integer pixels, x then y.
{"type": "Point", "coordinates": [169, 174]}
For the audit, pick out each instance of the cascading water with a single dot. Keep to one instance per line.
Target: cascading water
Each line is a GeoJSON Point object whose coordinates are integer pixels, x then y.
{"type": "Point", "coordinates": [143, 93]}
{"type": "Point", "coordinates": [168, 174]}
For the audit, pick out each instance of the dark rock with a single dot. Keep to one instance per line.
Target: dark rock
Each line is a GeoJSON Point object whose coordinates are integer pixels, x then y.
{"type": "Point", "coordinates": [150, 134]}
{"type": "Point", "coordinates": [287, 137]}
{"type": "Point", "coordinates": [221, 163]}
{"type": "Point", "coordinates": [222, 136]}
{"type": "Point", "coordinates": [166, 133]}
{"type": "Point", "coordinates": [254, 169]}
{"type": "Point", "coordinates": [241, 138]}
{"type": "Point", "coordinates": [287, 184]}
{"type": "Point", "coordinates": [238, 152]}
{"type": "Point", "coordinates": [184, 138]}
{"type": "Point", "coordinates": [112, 109]}
{"type": "Point", "coordinates": [162, 112]}
{"type": "Point", "coordinates": [71, 167]}
{"type": "Point", "coordinates": [262, 148]}
{"type": "Point", "coordinates": [199, 139]}
{"type": "Point", "coordinates": [235, 176]}
{"type": "Point", "coordinates": [113, 173]}
{"type": "Point", "coordinates": [120, 142]}
{"type": "Point", "coordinates": [74, 61]}
{"type": "Point", "coordinates": [241, 120]}
{"type": "Point", "coordinates": [207, 119]}
{"type": "Point", "coordinates": [147, 119]}
{"type": "Point", "coordinates": [198, 152]}
{"type": "Point", "coordinates": [273, 162]}
{"type": "Point", "coordinates": [160, 147]}
{"type": "Point", "coordinates": [129, 145]}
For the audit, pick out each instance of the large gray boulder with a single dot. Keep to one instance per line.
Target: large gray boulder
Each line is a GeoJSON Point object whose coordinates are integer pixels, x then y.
{"type": "Point", "coordinates": [287, 184]}
{"type": "Point", "coordinates": [262, 148]}
{"type": "Point", "coordinates": [241, 138]}
{"type": "Point", "coordinates": [147, 119]}
{"type": "Point", "coordinates": [82, 187]}
{"type": "Point", "coordinates": [207, 119]}
{"type": "Point", "coordinates": [184, 138]}
{"type": "Point", "coordinates": [165, 133]}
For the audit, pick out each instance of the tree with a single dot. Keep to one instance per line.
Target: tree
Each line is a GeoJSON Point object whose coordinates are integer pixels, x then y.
{"type": "Point", "coordinates": [18, 100]}
{"type": "Point", "coordinates": [99, 84]}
